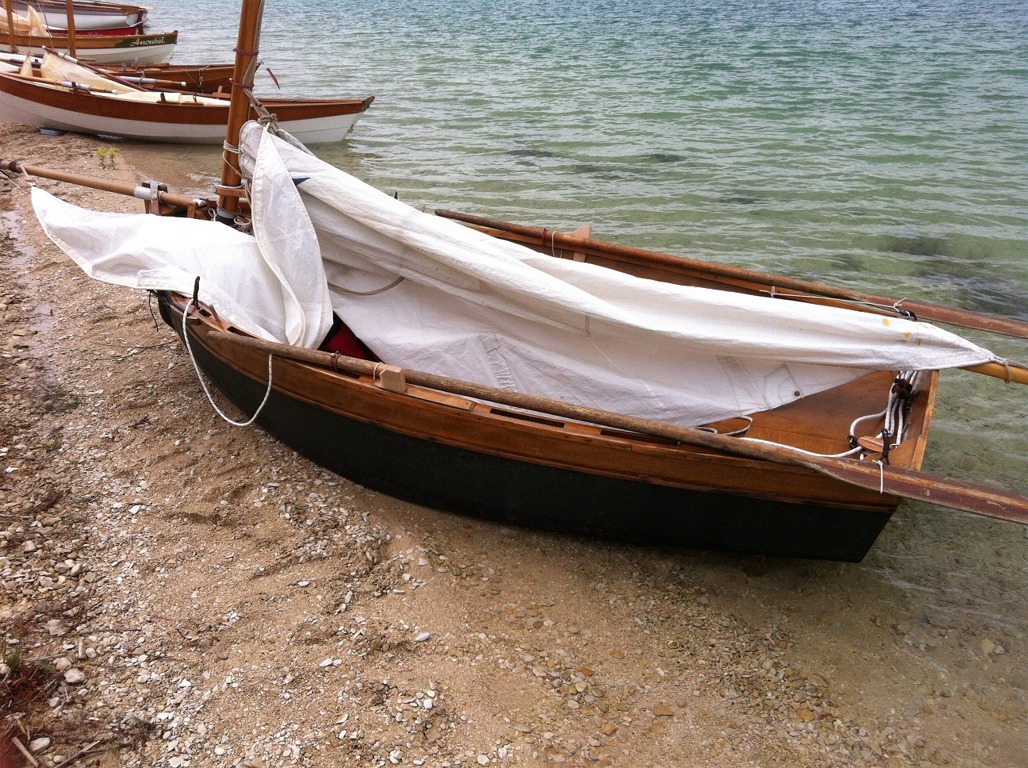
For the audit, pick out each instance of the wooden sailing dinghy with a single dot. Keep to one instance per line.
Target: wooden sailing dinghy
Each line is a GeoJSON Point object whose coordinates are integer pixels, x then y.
{"type": "Point", "coordinates": [480, 454]}
{"type": "Point", "coordinates": [27, 33]}
{"type": "Point", "coordinates": [618, 399]}
{"type": "Point", "coordinates": [65, 95]}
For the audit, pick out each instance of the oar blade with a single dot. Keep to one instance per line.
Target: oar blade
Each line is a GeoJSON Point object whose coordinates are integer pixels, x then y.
{"type": "Point", "coordinates": [980, 500]}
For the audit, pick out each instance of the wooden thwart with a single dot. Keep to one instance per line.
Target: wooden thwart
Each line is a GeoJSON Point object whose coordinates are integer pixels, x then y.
{"type": "Point", "coordinates": [895, 481]}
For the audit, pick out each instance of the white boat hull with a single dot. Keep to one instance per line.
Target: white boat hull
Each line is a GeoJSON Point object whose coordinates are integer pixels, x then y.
{"type": "Point", "coordinates": [14, 108]}
{"type": "Point", "coordinates": [86, 21]}
{"type": "Point", "coordinates": [142, 54]}
{"type": "Point", "coordinates": [86, 18]}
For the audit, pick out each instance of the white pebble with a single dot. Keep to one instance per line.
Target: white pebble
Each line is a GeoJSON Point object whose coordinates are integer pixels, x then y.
{"type": "Point", "coordinates": [75, 676]}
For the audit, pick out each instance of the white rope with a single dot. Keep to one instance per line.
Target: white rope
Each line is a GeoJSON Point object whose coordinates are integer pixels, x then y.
{"type": "Point", "coordinates": [203, 383]}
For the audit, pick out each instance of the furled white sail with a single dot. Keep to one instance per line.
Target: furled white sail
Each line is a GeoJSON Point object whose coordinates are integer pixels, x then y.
{"type": "Point", "coordinates": [430, 294]}
{"type": "Point", "coordinates": [27, 23]}
{"type": "Point", "coordinates": [59, 67]}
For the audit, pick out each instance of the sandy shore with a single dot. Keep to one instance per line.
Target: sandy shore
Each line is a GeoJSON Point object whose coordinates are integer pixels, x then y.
{"type": "Point", "coordinates": [180, 592]}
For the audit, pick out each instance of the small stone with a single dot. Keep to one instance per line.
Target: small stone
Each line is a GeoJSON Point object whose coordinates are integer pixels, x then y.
{"type": "Point", "coordinates": [28, 547]}
{"type": "Point", "coordinates": [661, 710]}
{"type": "Point", "coordinates": [38, 745]}
{"type": "Point", "coordinates": [56, 628]}
{"type": "Point", "coordinates": [74, 676]}
{"type": "Point", "coordinates": [63, 664]}
{"type": "Point", "coordinates": [422, 637]}
{"type": "Point", "coordinates": [483, 760]}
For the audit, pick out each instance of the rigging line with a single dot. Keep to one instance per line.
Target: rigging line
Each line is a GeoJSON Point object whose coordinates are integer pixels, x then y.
{"type": "Point", "coordinates": [203, 383]}
{"type": "Point", "coordinates": [895, 307]}
{"type": "Point", "coordinates": [374, 292]}
{"type": "Point", "coordinates": [802, 451]}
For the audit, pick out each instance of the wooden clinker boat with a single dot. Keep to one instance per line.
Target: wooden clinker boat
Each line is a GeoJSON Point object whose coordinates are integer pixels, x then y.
{"type": "Point", "coordinates": [94, 104]}
{"type": "Point", "coordinates": [749, 486]}
{"type": "Point", "coordinates": [528, 467]}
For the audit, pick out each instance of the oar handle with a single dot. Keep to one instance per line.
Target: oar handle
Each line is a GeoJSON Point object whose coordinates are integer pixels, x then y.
{"type": "Point", "coordinates": [1010, 372]}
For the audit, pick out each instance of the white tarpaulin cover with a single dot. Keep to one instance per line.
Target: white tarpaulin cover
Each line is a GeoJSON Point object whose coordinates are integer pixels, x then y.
{"type": "Point", "coordinates": [430, 294]}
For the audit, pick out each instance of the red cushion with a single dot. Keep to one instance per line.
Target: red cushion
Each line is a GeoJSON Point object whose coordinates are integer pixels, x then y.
{"type": "Point", "coordinates": [345, 342]}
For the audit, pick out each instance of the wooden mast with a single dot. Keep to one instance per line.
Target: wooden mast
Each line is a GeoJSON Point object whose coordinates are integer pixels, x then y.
{"type": "Point", "coordinates": [247, 45]}
{"type": "Point", "coordinates": [10, 25]}
{"type": "Point", "coordinates": [70, 11]}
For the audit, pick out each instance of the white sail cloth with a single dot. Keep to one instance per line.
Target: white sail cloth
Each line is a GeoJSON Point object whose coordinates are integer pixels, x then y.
{"type": "Point", "coordinates": [429, 294]}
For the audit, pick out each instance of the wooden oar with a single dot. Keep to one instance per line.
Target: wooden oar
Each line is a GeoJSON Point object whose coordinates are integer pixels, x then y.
{"type": "Point", "coordinates": [924, 310]}
{"type": "Point", "coordinates": [896, 481]}
{"type": "Point", "coordinates": [141, 191]}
